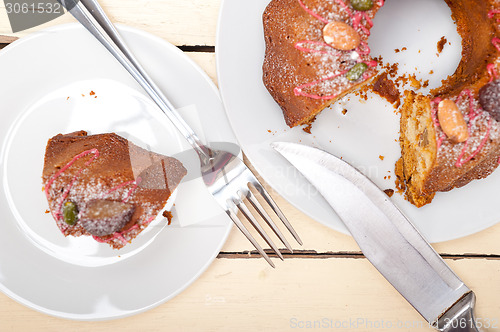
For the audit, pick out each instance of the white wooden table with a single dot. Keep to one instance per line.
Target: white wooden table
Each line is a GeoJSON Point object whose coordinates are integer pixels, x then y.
{"type": "Point", "coordinates": [326, 284]}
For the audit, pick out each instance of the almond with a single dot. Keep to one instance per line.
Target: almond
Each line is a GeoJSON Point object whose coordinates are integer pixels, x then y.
{"type": "Point", "coordinates": [452, 121]}
{"type": "Point", "coordinates": [341, 36]}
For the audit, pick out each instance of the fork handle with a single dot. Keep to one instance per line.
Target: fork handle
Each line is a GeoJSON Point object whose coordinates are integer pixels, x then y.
{"type": "Point", "coordinates": [117, 47]}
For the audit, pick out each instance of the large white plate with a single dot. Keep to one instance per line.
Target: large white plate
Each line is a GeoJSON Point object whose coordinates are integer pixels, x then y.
{"type": "Point", "coordinates": [45, 90]}
{"type": "Point", "coordinates": [369, 130]}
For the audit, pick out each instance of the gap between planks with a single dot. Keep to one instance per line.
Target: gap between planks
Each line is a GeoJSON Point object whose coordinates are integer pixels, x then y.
{"type": "Point", "coordinates": [197, 48]}
{"type": "Point", "coordinates": [6, 40]}
{"type": "Point", "coordinates": [312, 254]}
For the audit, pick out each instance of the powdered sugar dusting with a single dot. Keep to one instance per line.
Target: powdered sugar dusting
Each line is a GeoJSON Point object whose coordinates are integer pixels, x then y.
{"type": "Point", "coordinates": [483, 133]}
{"type": "Point", "coordinates": [331, 81]}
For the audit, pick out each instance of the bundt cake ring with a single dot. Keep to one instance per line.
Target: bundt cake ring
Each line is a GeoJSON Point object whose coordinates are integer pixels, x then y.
{"type": "Point", "coordinates": [317, 52]}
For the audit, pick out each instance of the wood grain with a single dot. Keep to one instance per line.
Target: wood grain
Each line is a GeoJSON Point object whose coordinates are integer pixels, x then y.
{"type": "Point", "coordinates": [190, 22]}
{"type": "Point", "coordinates": [326, 282]}
{"type": "Point", "coordinates": [247, 295]}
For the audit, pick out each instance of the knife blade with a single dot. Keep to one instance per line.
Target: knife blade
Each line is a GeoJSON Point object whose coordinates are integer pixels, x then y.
{"type": "Point", "coordinates": [387, 238]}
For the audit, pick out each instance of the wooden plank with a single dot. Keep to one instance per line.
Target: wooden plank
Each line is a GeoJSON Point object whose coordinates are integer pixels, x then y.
{"type": "Point", "coordinates": [248, 295]}
{"type": "Point", "coordinates": [180, 22]}
{"type": "Point", "coordinates": [7, 39]}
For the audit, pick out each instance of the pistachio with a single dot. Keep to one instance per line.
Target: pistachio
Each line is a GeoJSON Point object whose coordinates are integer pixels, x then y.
{"type": "Point", "coordinates": [452, 121]}
{"type": "Point", "coordinates": [70, 213]}
{"type": "Point", "coordinates": [357, 71]}
{"type": "Point", "coordinates": [362, 5]}
{"type": "Point", "coordinates": [341, 36]}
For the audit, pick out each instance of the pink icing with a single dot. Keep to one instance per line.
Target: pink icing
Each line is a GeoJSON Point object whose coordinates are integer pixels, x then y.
{"type": "Point", "coordinates": [492, 13]}
{"type": "Point", "coordinates": [472, 111]}
{"type": "Point", "coordinates": [461, 162]}
{"type": "Point", "coordinates": [312, 12]}
{"type": "Point", "coordinates": [56, 213]}
{"type": "Point", "coordinates": [346, 8]}
{"type": "Point", "coordinates": [472, 114]}
{"type": "Point", "coordinates": [322, 47]}
{"type": "Point", "coordinates": [356, 22]}
{"type": "Point", "coordinates": [496, 42]}
{"type": "Point", "coordinates": [120, 235]}
{"type": "Point", "coordinates": [135, 183]}
{"type": "Point", "coordinates": [362, 49]}
{"type": "Point", "coordinates": [492, 71]}
{"type": "Point", "coordinates": [298, 90]}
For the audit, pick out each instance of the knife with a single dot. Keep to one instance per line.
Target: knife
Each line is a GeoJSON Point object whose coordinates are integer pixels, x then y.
{"type": "Point", "coordinates": [387, 239]}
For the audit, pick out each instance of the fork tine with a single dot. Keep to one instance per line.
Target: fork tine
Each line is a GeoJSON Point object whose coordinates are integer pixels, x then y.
{"type": "Point", "coordinates": [253, 200]}
{"type": "Point", "coordinates": [245, 232]}
{"type": "Point", "coordinates": [276, 209]}
{"type": "Point", "coordinates": [246, 212]}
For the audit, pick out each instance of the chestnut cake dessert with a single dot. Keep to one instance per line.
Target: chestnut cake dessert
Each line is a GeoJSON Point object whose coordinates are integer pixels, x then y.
{"type": "Point", "coordinates": [105, 186]}
{"type": "Point", "coordinates": [317, 52]}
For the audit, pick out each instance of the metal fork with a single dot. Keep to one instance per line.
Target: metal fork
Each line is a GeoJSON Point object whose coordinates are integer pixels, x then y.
{"type": "Point", "coordinates": [225, 175]}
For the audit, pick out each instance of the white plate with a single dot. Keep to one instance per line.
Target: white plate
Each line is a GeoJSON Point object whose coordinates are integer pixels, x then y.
{"type": "Point", "coordinates": [369, 130]}
{"type": "Point", "coordinates": [45, 90]}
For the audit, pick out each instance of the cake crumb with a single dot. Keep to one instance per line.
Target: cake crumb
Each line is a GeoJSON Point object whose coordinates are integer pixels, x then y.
{"type": "Point", "coordinates": [307, 128]}
{"type": "Point", "coordinates": [381, 157]}
{"type": "Point", "coordinates": [168, 215]}
{"type": "Point", "coordinates": [400, 182]}
{"type": "Point", "coordinates": [92, 93]}
{"type": "Point", "coordinates": [414, 82]}
{"type": "Point", "coordinates": [386, 88]}
{"type": "Point", "coordinates": [344, 111]}
{"type": "Point", "coordinates": [440, 44]}
{"type": "Point", "coordinates": [389, 192]}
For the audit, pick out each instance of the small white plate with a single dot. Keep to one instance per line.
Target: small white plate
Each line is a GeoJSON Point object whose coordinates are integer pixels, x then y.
{"type": "Point", "coordinates": [367, 135]}
{"type": "Point", "coordinates": [62, 80]}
